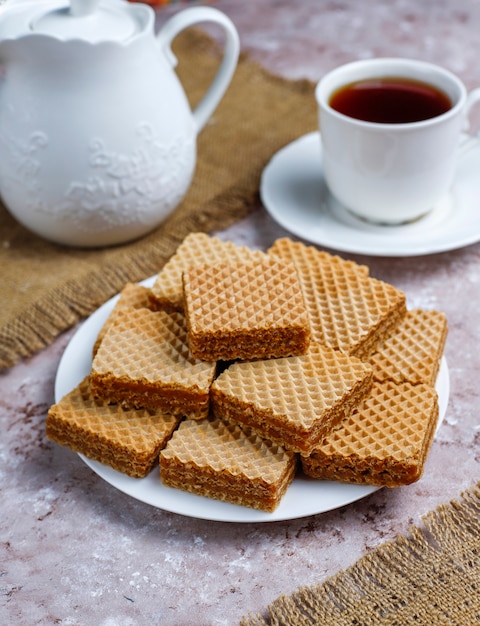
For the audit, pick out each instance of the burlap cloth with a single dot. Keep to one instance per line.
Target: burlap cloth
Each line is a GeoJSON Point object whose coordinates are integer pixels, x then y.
{"type": "Point", "coordinates": [428, 578]}
{"type": "Point", "coordinates": [431, 577]}
{"type": "Point", "coordinates": [46, 288]}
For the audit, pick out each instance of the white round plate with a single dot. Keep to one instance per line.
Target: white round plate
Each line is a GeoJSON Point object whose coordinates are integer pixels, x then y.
{"type": "Point", "coordinates": [294, 192]}
{"type": "Point", "coordinates": [304, 496]}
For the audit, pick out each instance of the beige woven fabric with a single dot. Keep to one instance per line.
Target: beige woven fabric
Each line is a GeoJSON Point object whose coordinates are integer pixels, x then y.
{"type": "Point", "coordinates": [430, 577]}
{"type": "Point", "coordinates": [46, 288]}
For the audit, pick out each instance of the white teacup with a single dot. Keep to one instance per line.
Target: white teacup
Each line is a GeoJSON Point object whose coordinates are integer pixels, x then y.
{"type": "Point", "coordinates": [392, 173]}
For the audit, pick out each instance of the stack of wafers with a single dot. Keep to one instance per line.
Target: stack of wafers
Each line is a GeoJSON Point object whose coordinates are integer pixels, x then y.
{"type": "Point", "coordinates": [239, 367]}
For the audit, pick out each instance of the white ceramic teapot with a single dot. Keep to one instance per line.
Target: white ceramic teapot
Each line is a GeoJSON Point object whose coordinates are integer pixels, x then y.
{"type": "Point", "coordinates": [97, 139]}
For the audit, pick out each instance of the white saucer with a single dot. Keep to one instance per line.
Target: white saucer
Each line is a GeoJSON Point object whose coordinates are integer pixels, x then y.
{"type": "Point", "coordinates": [293, 191]}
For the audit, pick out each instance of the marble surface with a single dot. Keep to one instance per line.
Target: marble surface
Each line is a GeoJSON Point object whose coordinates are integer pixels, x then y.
{"type": "Point", "coordinates": [75, 551]}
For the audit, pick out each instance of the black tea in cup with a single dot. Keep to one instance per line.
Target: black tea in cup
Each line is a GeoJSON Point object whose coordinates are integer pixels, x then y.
{"type": "Point", "coordinates": [390, 100]}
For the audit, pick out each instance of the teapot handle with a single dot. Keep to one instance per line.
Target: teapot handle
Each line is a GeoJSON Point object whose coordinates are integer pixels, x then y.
{"type": "Point", "coordinates": [223, 77]}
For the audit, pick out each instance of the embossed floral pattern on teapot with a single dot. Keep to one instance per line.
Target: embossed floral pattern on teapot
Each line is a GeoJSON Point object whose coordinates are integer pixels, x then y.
{"type": "Point", "coordinates": [97, 139]}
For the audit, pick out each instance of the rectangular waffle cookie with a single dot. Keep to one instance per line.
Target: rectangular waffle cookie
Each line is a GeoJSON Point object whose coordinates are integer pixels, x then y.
{"type": "Point", "coordinates": [320, 404]}
{"type": "Point", "coordinates": [245, 311]}
{"type": "Point", "coordinates": [383, 442]}
{"type": "Point", "coordinates": [349, 310]}
{"type": "Point", "coordinates": [413, 351]}
{"type": "Point", "coordinates": [127, 440]}
{"type": "Point", "coordinates": [226, 462]}
{"type": "Point", "coordinates": [144, 361]}
{"type": "Point", "coordinates": [166, 294]}
{"type": "Point", "coordinates": [132, 295]}
{"type": "Point", "coordinates": [293, 401]}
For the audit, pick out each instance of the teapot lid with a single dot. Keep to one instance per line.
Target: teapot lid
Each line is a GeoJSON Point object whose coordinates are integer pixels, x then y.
{"type": "Point", "coordinates": [88, 20]}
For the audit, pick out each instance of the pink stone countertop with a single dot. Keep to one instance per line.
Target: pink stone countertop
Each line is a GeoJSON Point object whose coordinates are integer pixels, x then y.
{"type": "Point", "coordinates": [75, 551]}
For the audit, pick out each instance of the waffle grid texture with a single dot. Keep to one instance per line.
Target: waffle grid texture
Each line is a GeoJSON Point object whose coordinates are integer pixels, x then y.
{"type": "Point", "coordinates": [196, 249]}
{"type": "Point", "coordinates": [144, 361]}
{"type": "Point", "coordinates": [383, 442]}
{"type": "Point", "coordinates": [294, 400]}
{"type": "Point", "coordinates": [227, 462]}
{"type": "Point", "coordinates": [413, 351]}
{"type": "Point", "coordinates": [265, 411]}
{"type": "Point", "coordinates": [245, 311]}
{"type": "Point", "coordinates": [132, 296]}
{"type": "Point", "coordinates": [349, 310]}
{"type": "Point", "coordinates": [127, 440]}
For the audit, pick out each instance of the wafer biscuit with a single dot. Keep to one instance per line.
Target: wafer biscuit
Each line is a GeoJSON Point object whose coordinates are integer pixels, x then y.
{"type": "Point", "coordinates": [293, 401]}
{"type": "Point", "coordinates": [144, 361]}
{"type": "Point", "coordinates": [196, 249]}
{"type": "Point", "coordinates": [295, 251]}
{"type": "Point", "coordinates": [127, 440]}
{"type": "Point", "coordinates": [349, 310]}
{"type": "Point", "coordinates": [245, 311]}
{"type": "Point", "coordinates": [224, 461]}
{"type": "Point", "coordinates": [413, 351]}
{"type": "Point", "coordinates": [132, 295]}
{"type": "Point", "coordinates": [383, 442]}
